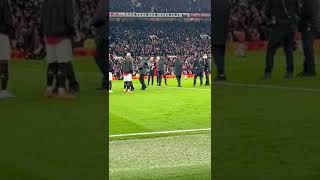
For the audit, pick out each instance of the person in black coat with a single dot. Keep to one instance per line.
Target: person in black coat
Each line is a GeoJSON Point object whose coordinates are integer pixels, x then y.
{"type": "Point", "coordinates": [161, 69]}
{"type": "Point", "coordinates": [220, 20]}
{"type": "Point", "coordinates": [307, 27]}
{"type": "Point", "coordinates": [178, 70]}
{"type": "Point", "coordinates": [142, 72]}
{"type": "Point", "coordinates": [283, 18]}
{"type": "Point", "coordinates": [206, 68]}
{"type": "Point", "coordinates": [100, 22]}
{"type": "Point", "coordinates": [198, 67]}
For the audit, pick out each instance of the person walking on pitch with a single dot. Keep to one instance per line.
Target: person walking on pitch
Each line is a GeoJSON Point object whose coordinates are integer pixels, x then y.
{"type": "Point", "coordinates": [198, 67]}
{"type": "Point", "coordinates": [142, 72]}
{"type": "Point", "coordinates": [151, 73]}
{"type": "Point", "coordinates": [206, 69]}
{"type": "Point", "coordinates": [178, 70]}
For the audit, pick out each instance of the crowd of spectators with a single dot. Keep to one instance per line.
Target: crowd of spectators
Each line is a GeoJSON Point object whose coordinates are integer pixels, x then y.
{"type": "Point", "coordinates": [161, 6]}
{"type": "Point", "coordinates": [26, 17]}
{"type": "Point", "coordinates": [187, 40]}
{"type": "Point", "coordinates": [26, 23]}
{"type": "Point", "coordinates": [247, 21]}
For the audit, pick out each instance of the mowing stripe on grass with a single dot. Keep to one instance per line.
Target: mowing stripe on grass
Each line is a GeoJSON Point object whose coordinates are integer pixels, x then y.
{"type": "Point", "coordinates": [160, 156]}
{"type": "Point", "coordinates": [124, 169]}
{"type": "Point", "coordinates": [196, 89]}
{"type": "Point", "coordinates": [268, 87]}
{"type": "Point", "coordinates": [161, 132]}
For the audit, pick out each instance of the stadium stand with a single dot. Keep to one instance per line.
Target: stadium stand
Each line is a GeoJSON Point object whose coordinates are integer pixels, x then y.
{"type": "Point", "coordinates": [168, 6]}
{"type": "Point", "coordinates": [173, 38]}
{"type": "Point", "coordinates": [26, 19]}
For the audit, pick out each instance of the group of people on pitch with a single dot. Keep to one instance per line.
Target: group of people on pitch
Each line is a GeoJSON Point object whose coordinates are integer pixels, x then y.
{"type": "Point", "coordinates": [157, 65]}
{"type": "Point", "coordinates": [58, 26]}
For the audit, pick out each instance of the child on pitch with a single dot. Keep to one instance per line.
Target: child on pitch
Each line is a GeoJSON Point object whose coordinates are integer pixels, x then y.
{"type": "Point", "coordinates": [127, 69]}
{"type": "Point", "coordinates": [5, 49]}
{"type": "Point", "coordinates": [58, 28]}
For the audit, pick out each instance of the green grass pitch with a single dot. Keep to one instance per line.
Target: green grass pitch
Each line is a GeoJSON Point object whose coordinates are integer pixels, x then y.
{"type": "Point", "coordinates": [165, 156]}
{"type": "Point", "coordinates": [266, 129]}
{"type": "Point", "coordinates": [45, 139]}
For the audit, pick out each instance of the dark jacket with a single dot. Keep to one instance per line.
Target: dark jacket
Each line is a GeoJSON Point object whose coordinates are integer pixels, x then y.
{"type": "Point", "coordinates": [99, 20]}
{"type": "Point", "coordinates": [178, 67]}
{"type": "Point", "coordinates": [198, 65]}
{"type": "Point", "coordinates": [161, 65]}
{"type": "Point", "coordinates": [207, 66]}
{"type": "Point", "coordinates": [6, 24]}
{"type": "Point", "coordinates": [110, 66]}
{"type": "Point", "coordinates": [127, 66]}
{"type": "Point", "coordinates": [317, 19]}
{"type": "Point", "coordinates": [220, 21]}
{"type": "Point", "coordinates": [57, 18]}
{"type": "Point", "coordinates": [282, 12]}
{"type": "Point", "coordinates": [309, 11]}
{"type": "Point", "coordinates": [143, 67]}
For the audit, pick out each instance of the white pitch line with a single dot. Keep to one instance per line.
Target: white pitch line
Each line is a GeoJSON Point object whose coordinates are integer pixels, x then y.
{"type": "Point", "coordinates": [268, 86]}
{"type": "Point", "coordinates": [160, 132]}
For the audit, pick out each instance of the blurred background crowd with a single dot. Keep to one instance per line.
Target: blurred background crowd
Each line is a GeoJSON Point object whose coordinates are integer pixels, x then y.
{"type": "Point", "coordinates": [247, 21]}
{"type": "Point", "coordinates": [163, 6]}
{"type": "Point", "coordinates": [26, 20]}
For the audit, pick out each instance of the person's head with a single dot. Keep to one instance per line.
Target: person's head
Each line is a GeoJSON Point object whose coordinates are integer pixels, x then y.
{"type": "Point", "coordinates": [205, 56]}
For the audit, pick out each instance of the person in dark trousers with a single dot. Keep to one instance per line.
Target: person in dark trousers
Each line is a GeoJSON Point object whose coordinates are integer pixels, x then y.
{"type": "Point", "coordinates": [206, 68]}
{"type": "Point", "coordinates": [152, 66]}
{"type": "Point", "coordinates": [74, 86]}
{"type": "Point", "coordinates": [100, 23]}
{"type": "Point", "coordinates": [283, 17]}
{"type": "Point", "coordinates": [220, 19]}
{"type": "Point", "coordinates": [6, 33]}
{"type": "Point", "coordinates": [57, 24]}
{"type": "Point", "coordinates": [142, 72]}
{"type": "Point", "coordinates": [110, 69]}
{"type": "Point", "coordinates": [198, 67]}
{"type": "Point", "coordinates": [307, 28]}
{"type": "Point", "coordinates": [161, 70]}
{"type": "Point", "coordinates": [178, 70]}
{"type": "Point", "coordinates": [127, 69]}
{"type": "Point", "coordinates": [166, 72]}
